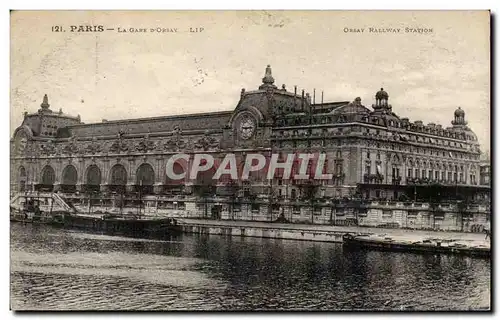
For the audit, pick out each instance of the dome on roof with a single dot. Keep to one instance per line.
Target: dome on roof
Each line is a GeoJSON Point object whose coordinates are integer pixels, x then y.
{"type": "Point", "coordinates": [459, 112]}
{"type": "Point", "coordinates": [471, 135]}
{"type": "Point", "coordinates": [382, 95]}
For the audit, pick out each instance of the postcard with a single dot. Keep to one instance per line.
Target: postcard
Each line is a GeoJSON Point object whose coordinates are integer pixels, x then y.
{"type": "Point", "coordinates": [250, 161]}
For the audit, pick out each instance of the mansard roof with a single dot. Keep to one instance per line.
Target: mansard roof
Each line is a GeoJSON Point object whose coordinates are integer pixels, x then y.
{"type": "Point", "coordinates": [266, 102]}
{"type": "Point", "coordinates": [200, 121]}
{"type": "Point", "coordinates": [352, 107]}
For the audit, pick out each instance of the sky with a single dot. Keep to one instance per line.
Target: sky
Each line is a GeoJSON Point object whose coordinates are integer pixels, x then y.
{"type": "Point", "coordinates": [115, 75]}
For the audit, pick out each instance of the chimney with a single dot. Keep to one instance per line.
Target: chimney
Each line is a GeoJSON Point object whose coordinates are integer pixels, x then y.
{"type": "Point", "coordinates": [295, 98]}
{"type": "Point", "coordinates": [302, 101]}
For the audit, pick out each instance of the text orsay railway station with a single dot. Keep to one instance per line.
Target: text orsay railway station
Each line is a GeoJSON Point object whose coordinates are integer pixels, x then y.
{"type": "Point", "coordinates": [387, 170]}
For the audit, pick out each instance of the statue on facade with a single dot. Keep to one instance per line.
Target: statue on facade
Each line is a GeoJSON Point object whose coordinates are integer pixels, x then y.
{"type": "Point", "coordinates": [119, 145]}
{"type": "Point", "coordinates": [145, 145]}
{"type": "Point", "coordinates": [72, 146]}
{"type": "Point", "coordinates": [93, 147]}
{"type": "Point", "coordinates": [175, 143]}
{"type": "Point", "coordinates": [48, 148]}
{"type": "Point", "coordinates": [206, 142]}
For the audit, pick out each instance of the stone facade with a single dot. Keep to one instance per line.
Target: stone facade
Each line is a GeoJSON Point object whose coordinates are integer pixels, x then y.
{"type": "Point", "coordinates": [373, 154]}
{"type": "Point", "coordinates": [485, 173]}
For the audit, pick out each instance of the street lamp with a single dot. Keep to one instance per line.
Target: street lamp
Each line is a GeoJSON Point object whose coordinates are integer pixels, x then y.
{"type": "Point", "coordinates": [139, 196]}
{"type": "Point", "coordinates": [286, 202]}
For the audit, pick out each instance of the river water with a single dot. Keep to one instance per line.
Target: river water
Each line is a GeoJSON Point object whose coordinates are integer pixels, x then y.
{"type": "Point", "coordinates": [55, 269]}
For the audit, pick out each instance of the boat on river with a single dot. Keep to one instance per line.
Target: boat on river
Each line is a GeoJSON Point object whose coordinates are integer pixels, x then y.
{"type": "Point", "coordinates": [124, 224]}
{"type": "Point", "coordinates": [51, 208]}
{"type": "Point", "coordinates": [424, 246]}
{"type": "Point", "coordinates": [39, 208]}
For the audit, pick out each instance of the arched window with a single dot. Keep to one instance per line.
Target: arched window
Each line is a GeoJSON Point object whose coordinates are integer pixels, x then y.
{"type": "Point", "coordinates": [410, 162]}
{"type": "Point", "coordinates": [93, 176]}
{"type": "Point", "coordinates": [205, 182]}
{"type": "Point", "coordinates": [48, 176]}
{"type": "Point", "coordinates": [177, 169]}
{"type": "Point", "coordinates": [22, 179]}
{"type": "Point", "coordinates": [145, 175]}
{"type": "Point", "coordinates": [69, 179]}
{"type": "Point", "coordinates": [70, 175]}
{"type": "Point", "coordinates": [118, 175]}
{"type": "Point", "coordinates": [22, 172]}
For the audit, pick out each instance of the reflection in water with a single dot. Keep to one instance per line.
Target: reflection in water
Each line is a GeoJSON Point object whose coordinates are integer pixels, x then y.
{"type": "Point", "coordinates": [60, 269]}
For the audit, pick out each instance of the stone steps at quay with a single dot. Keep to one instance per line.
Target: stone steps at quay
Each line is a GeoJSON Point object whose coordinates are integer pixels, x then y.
{"type": "Point", "coordinates": [321, 232]}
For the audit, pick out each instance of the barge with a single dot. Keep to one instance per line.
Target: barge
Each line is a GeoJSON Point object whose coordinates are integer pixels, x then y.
{"type": "Point", "coordinates": [123, 225]}
{"type": "Point", "coordinates": [424, 246]}
{"type": "Point", "coordinates": [50, 208]}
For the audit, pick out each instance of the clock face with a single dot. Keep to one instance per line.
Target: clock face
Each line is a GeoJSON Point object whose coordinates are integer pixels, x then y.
{"type": "Point", "coordinates": [246, 127]}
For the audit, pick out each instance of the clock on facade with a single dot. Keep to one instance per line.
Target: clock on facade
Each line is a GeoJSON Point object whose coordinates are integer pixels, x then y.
{"type": "Point", "coordinates": [246, 127]}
